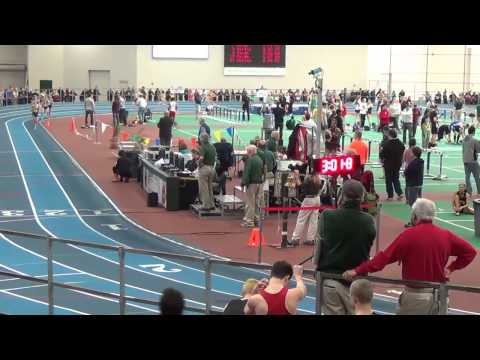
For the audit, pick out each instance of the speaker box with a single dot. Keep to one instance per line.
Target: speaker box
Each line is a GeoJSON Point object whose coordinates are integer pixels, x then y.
{"type": "Point", "coordinates": [152, 199]}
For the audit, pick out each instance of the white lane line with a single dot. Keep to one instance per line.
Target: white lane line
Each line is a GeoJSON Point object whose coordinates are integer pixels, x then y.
{"type": "Point", "coordinates": [70, 202]}
{"type": "Point", "coordinates": [26, 287]}
{"type": "Point", "coordinates": [92, 275]}
{"type": "Point", "coordinates": [34, 210]}
{"type": "Point", "coordinates": [43, 303]}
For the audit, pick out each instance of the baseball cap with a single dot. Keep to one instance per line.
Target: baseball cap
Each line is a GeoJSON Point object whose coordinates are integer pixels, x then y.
{"type": "Point", "coordinates": [353, 189]}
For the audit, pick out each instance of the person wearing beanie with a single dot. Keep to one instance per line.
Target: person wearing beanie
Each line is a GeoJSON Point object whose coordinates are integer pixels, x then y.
{"type": "Point", "coordinates": [339, 247]}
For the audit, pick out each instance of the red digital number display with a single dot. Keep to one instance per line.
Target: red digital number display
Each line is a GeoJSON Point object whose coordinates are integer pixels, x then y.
{"type": "Point", "coordinates": [255, 55]}
{"type": "Point", "coordinates": [340, 165]}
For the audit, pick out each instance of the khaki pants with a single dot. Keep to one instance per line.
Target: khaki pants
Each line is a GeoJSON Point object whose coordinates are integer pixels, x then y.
{"type": "Point", "coordinates": [307, 218]}
{"type": "Point", "coordinates": [418, 302]}
{"type": "Point", "coordinates": [206, 174]}
{"type": "Point", "coordinates": [336, 299]}
{"type": "Point", "coordinates": [254, 201]}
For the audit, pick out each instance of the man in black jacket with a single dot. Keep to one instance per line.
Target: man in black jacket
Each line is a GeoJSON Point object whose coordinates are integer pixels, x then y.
{"type": "Point", "coordinates": [279, 114]}
{"type": "Point", "coordinates": [391, 156]}
{"type": "Point", "coordinates": [245, 106]}
{"type": "Point", "coordinates": [165, 129]}
{"type": "Point", "coordinates": [339, 246]}
{"type": "Point", "coordinates": [122, 169]}
{"type": "Point", "coordinates": [225, 159]}
{"type": "Point", "coordinates": [414, 178]}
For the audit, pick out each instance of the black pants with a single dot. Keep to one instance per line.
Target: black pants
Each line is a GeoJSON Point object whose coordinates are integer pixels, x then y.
{"type": "Point", "coordinates": [123, 177]}
{"type": "Point", "coordinates": [362, 120]}
{"type": "Point", "coordinates": [279, 127]}
{"type": "Point", "coordinates": [123, 116]}
{"type": "Point", "coordinates": [247, 109]}
{"type": "Point", "coordinates": [88, 112]}
{"type": "Point", "coordinates": [164, 141]}
{"type": "Point", "coordinates": [392, 181]}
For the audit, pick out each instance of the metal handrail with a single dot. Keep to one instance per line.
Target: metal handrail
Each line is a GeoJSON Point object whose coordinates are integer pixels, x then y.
{"type": "Point", "coordinates": [208, 262]}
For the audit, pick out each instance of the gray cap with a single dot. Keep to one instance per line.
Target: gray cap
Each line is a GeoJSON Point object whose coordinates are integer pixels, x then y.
{"type": "Point", "coordinates": [353, 189]}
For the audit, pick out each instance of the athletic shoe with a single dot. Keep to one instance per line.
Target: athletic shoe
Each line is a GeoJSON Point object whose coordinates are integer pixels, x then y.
{"type": "Point", "coordinates": [389, 199]}
{"type": "Point", "coordinates": [247, 224]}
{"type": "Point", "coordinates": [408, 225]}
{"type": "Point", "coordinates": [457, 214]}
{"type": "Point", "coordinates": [292, 243]}
{"type": "Point", "coordinates": [309, 242]}
{"type": "Point", "coordinates": [400, 197]}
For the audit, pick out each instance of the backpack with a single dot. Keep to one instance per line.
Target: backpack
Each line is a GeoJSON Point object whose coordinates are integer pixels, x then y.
{"type": "Point", "coordinates": [290, 124]}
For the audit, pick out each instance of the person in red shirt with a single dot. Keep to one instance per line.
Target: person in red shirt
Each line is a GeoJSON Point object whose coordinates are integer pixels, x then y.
{"type": "Point", "coordinates": [384, 116]}
{"type": "Point", "coordinates": [276, 298]}
{"type": "Point", "coordinates": [417, 113]}
{"type": "Point", "coordinates": [424, 251]}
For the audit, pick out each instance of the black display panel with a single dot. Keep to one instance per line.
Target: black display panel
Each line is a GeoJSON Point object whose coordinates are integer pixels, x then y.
{"type": "Point", "coordinates": [255, 56]}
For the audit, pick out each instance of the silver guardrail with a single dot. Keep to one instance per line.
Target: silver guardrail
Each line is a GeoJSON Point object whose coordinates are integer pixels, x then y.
{"type": "Point", "coordinates": [208, 263]}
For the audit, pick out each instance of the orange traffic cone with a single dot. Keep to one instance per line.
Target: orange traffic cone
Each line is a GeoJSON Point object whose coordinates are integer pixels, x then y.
{"type": "Point", "coordinates": [73, 126]}
{"type": "Point", "coordinates": [124, 136]}
{"type": "Point", "coordinates": [254, 240]}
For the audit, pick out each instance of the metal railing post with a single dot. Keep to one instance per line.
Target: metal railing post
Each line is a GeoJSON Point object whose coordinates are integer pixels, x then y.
{"type": "Point", "coordinates": [121, 279]}
{"type": "Point", "coordinates": [441, 165]}
{"type": "Point", "coordinates": [50, 277]}
{"type": "Point", "coordinates": [208, 285]}
{"type": "Point", "coordinates": [319, 293]}
{"type": "Point", "coordinates": [377, 245]}
{"type": "Point", "coordinates": [443, 297]}
{"type": "Point", "coordinates": [260, 225]}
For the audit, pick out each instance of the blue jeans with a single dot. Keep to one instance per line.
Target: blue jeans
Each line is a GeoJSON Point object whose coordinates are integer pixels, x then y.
{"type": "Point", "coordinates": [472, 168]}
{"type": "Point", "coordinates": [141, 115]}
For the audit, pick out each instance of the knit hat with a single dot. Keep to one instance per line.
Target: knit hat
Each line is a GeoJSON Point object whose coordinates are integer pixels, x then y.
{"type": "Point", "coordinates": [353, 189]}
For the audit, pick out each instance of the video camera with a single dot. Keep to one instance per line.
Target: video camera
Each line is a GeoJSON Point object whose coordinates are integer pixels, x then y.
{"type": "Point", "coordinates": [316, 72]}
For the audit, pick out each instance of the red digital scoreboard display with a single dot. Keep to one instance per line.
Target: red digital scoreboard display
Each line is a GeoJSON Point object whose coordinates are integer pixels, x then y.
{"type": "Point", "coordinates": [256, 56]}
{"type": "Point", "coordinates": [339, 165]}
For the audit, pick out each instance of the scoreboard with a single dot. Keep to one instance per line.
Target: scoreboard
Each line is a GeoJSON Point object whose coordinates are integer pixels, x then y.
{"type": "Point", "coordinates": [339, 165]}
{"type": "Point", "coordinates": [255, 60]}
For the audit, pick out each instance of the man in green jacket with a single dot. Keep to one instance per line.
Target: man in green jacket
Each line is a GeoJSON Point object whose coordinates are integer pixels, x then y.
{"type": "Point", "coordinates": [206, 173]}
{"type": "Point", "coordinates": [252, 179]}
{"type": "Point", "coordinates": [346, 235]}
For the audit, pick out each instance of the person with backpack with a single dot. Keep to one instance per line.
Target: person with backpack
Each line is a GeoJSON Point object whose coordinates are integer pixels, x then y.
{"type": "Point", "coordinates": [370, 197]}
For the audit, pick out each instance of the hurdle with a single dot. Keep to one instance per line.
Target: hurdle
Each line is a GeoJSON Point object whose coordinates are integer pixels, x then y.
{"type": "Point", "coordinates": [440, 176]}
{"type": "Point", "coordinates": [225, 113]}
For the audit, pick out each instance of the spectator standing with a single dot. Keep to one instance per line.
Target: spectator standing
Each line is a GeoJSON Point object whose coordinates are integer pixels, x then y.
{"type": "Point", "coordinates": [142, 105]}
{"type": "Point", "coordinates": [279, 114]}
{"type": "Point", "coordinates": [391, 156]}
{"type": "Point", "coordinates": [360, 148]}
{"type": "Point", "coordinates": [395, 112]}
{"type": "Point", "coordinates": [245, 105]}
{"type": "Point", "coordinates": [225, 158]}
{"type": "Point", "coordinates": [172, 302]}
{"type": "Point", "coordinates": [434, 125]}
{"type": "Point", "coordinates": [414, 177]}
{"type": "Point", "coordinates": [204, 128]}
{"type": "Point", "coordinates": [424, 251]}
{"type": "Point", "coordinates": [252, 179]}
{"type": "Point", "coordinates": [416, 114]}
{"type": "Point", "coordinates": [276, 298]}
{"type": "Point", "coordinates": [123, 115]}
{"type": "Point", "coordinates": [384, 116]}
{"type": "Point", "coordinates": [426, 130]}
{"type": "Point", "coordinates": [206, 173]}
{"type": "Point", "coordinates": [471, 147]}
{"type": "Point", "coordinates": [408, 153]}
{"type": "Point", "coordinates": [363, 113]}
{"type": "Point", "coordinates": [89, 105]}
{"type": "Point", "coordinates": [361, 293]}
{"type": "Point", "coordinates": [116, 112]}
{"type": "Point", "coordinates": [172, 108]}
{"type": "Point", "coordinates": [165, 125]}
{"type": "Point", "coordinates": [342, 247]}
{"type": "Point", "coordinates": [407, 122]}
{"type": "Point", "coordinates": [274, 142]}
{"type": "Point", "coordinates": [307, 218]}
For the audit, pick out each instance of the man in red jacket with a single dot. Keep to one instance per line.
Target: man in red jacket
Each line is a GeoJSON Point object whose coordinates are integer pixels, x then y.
{"type": "Point", "coordinates": [384, 116]}
{"type": "Point", "coordinates": [424, 251]}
